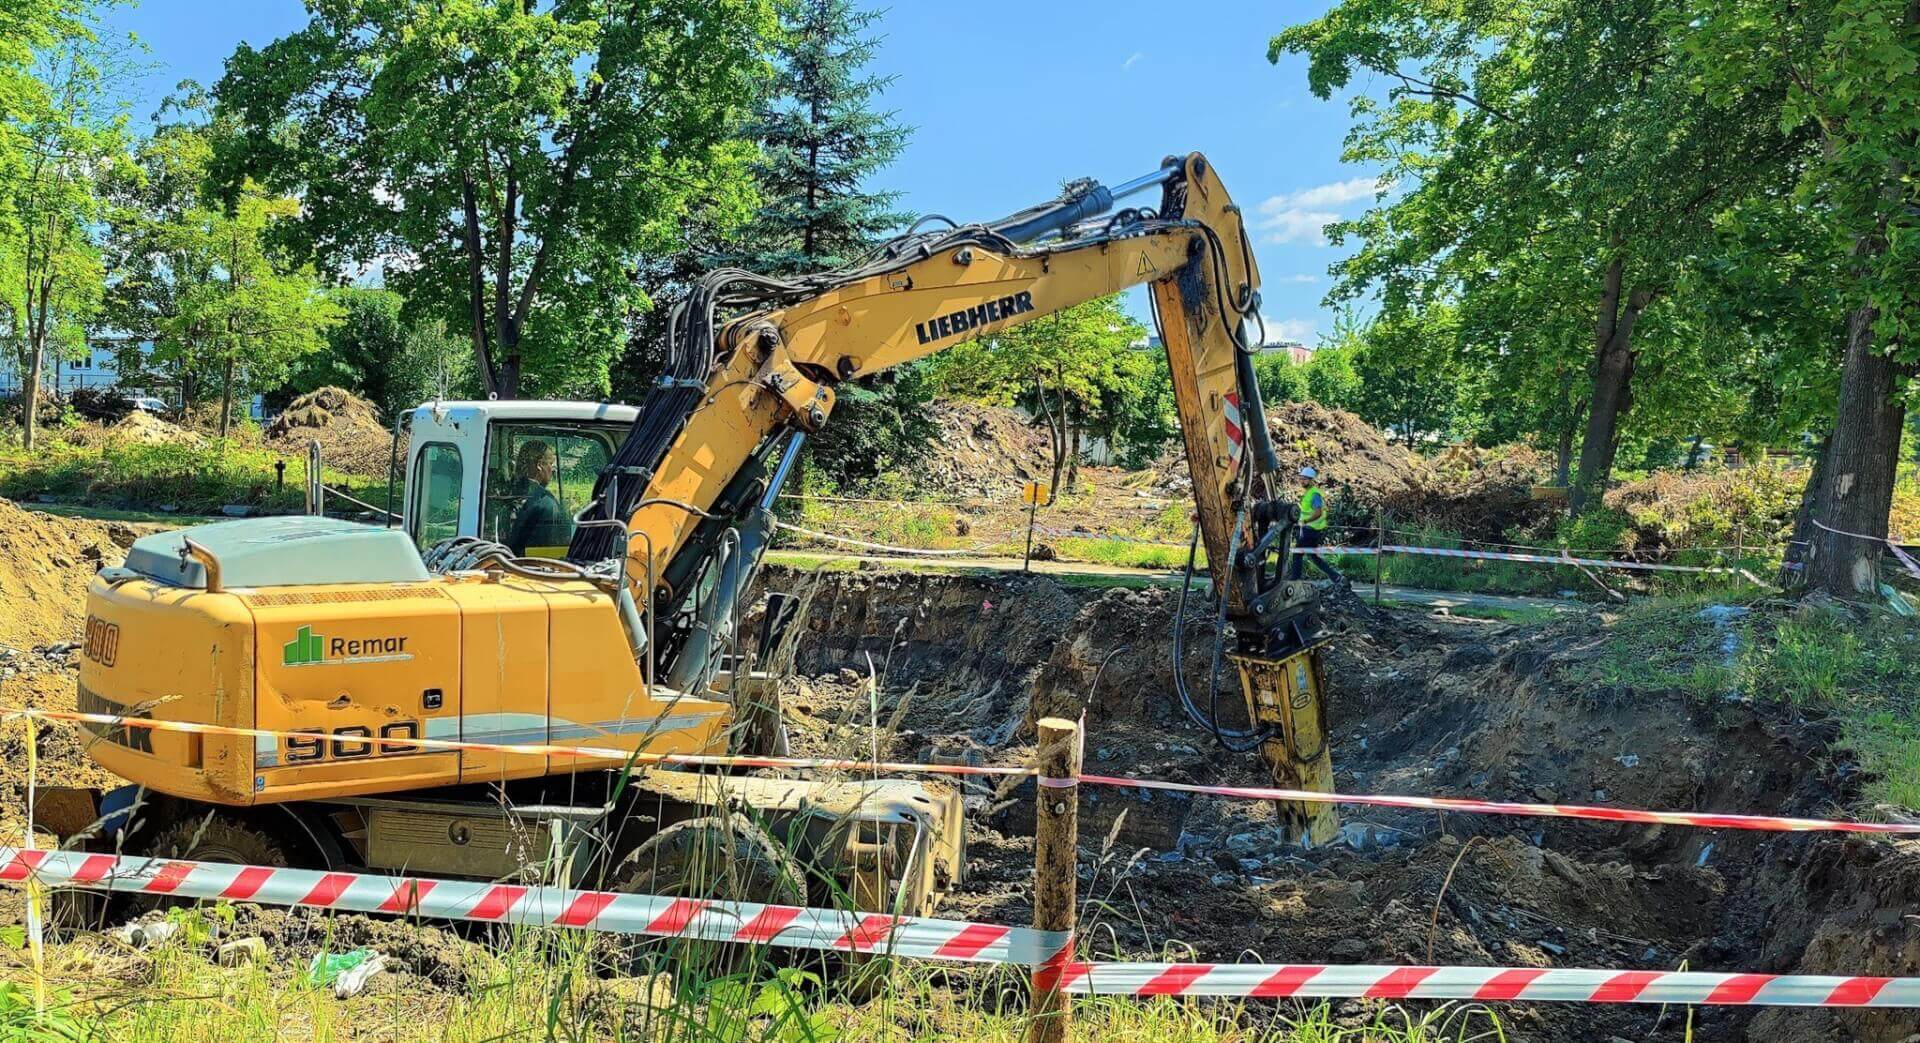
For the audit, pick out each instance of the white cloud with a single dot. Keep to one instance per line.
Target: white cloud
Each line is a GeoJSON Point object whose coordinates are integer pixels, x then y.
{"type": "Point", "coordinates": [1302, 216]}
{"type": "Point", "coordinates": [1302, 330]}
{"type": "Point", "coordinates": [1131, 59]}
{"type": "Point", "coordinates": [1299, 277]}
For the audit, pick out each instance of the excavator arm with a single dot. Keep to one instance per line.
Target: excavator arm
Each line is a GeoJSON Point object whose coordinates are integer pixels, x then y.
{"type": "Point", "coordinates": [754, 363]}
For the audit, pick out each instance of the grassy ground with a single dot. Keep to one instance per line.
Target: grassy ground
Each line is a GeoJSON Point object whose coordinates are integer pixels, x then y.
{"type": "Point", "coordinates": [552, 985]}
{"type": "Point", "coordinates": [193, 479]}
{"type": "Point", "coordinates": [1858, 665]}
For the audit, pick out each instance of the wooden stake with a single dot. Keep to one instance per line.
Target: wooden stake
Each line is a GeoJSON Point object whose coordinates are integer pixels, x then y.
{"type": "Point", "coordinates": [1056, 839]}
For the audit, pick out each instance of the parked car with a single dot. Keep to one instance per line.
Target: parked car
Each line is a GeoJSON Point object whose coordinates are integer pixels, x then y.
{"type": "Point", "coordinates": [149, 404]}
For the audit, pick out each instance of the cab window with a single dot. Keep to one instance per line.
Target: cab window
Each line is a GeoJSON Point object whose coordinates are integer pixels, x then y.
{"type": "Point", "coordinates": [436, 495]}
{"type": "Point", "coordinates": [538, 477]}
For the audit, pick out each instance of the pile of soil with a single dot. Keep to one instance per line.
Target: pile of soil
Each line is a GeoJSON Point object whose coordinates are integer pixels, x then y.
{"type": "Point", "coordinates": [983, 451]}
{"type": "Point", "coordinates": [1419, 704]}
{"type": "Point", "coordinates": [1479, 493]}
{"type": "Point", "coordinates": [348, 428]}
{"type": "Point", "coordinates": [1468, 491]}
{"type": "Point", "coordinates": [1349, 453]}
{"type": "Point", "coordinates": [146, 428]}
{"type": "Point", "coordinates": [45, 565]}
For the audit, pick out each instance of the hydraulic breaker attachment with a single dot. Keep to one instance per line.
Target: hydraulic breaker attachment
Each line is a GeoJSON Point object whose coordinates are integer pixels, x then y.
{"type": "Point", "coordinates": [1288, 696]}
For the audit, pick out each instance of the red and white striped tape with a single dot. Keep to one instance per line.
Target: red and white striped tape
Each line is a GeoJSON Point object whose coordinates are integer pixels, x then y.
{"type": "Point", "coordinates": [1490, 555]}
{"type": "Point", "coordinates": [1485, 984]}
{"type": "Point", "coordinates": [834, 930]}
{"type": "Point", "coordinates": [690, 760]}
{"type": "Point", "coordinates": [716, 921]}
{"type": "Point", "coordinates": [1700, 819]}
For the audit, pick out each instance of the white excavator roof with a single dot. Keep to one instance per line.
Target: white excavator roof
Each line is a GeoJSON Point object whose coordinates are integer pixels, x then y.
{"type": "Point", "coordinates": [530, 409]}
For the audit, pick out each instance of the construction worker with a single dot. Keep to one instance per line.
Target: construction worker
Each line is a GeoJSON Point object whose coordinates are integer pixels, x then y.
{"type": "Point", "coordinates": [1312, 531]}
{"type": "Point", "coordinates": [538, 521]}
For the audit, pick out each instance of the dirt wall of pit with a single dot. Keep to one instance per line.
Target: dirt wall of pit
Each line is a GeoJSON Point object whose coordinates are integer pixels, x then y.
{"type": "Point", "coordinates": [1418, 705]}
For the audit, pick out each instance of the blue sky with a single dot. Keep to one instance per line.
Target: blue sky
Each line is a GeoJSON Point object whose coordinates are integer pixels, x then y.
{"type": "Point", "coordinates": [1010, 98]}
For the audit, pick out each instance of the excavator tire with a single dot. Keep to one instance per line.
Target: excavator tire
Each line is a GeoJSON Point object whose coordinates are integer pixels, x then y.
{"type": "Point", "coordinates": [201, 838]}
{"type": "Point", "coordinates": [713, 857]}
{"type": "Point", "coordinates": [726, 858]}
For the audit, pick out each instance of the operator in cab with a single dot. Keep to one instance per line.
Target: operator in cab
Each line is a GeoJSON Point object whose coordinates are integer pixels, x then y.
{"type": "Point", "coordinates": [1312, 531]}
{"type": "Point", "coordinates": [539, 521]}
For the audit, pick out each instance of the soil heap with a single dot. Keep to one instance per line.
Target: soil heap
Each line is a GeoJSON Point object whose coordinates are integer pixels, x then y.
{"type": "Point", "coordinates": [45, 565]}
{"type": "Point", "coordinates": [348, 428]}
{"type": "Point", "coordinates": [1469, 491]}
{"type": "Point", "coordinates": [984, 451]}
{"type": "Point", "coordinates": [146, 428]}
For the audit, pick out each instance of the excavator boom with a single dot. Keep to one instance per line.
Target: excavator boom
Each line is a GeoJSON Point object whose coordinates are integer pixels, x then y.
{"type": "Point", "coordinates": [693, 486]}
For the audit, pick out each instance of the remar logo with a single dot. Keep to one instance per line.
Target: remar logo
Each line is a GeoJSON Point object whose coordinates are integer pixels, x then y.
{"type": "Point", "coordinates": [310, 649]}
{"type": "Point", "coordinates": [304, 649]}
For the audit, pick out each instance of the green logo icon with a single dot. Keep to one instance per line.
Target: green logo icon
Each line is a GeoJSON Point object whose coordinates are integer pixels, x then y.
{"type": "Point", "coordinates": [304, 649]}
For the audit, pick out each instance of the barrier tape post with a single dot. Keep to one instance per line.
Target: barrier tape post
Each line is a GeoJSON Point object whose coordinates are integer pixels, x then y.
{"type": "Point", "coordinates": [1379, 560]}
{"type": "Point", "coordinates": [1056, 838]}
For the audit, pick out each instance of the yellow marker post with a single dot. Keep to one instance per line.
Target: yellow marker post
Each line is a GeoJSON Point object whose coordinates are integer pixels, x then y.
{"type": "Point", "coordinates": [1033, 496]}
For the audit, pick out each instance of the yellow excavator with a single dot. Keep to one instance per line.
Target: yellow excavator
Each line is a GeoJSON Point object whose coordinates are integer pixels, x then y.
{"type": "Point", "coordinates": [609, 616]}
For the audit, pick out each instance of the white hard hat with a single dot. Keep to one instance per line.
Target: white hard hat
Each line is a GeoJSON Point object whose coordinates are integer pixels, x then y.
{"type": "Point", "coordinates": [1308, 472]}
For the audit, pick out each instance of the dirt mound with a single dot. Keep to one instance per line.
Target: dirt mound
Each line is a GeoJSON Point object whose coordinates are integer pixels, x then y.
{"type": "Point", "coordinates": [348, 428]}
{"type": "Point", "coordinates": [1465, 490]}
{"type": "Point", "coordinates": [986, 451]}
{"type": "Point", "coordinates": [146, 428]}
{"type": "Point", "coordinates": [1349, 453]}
{"type": "Point", "coordinates": [45, 564]}
{"type": "Point", "coordinates": [1477, 493]}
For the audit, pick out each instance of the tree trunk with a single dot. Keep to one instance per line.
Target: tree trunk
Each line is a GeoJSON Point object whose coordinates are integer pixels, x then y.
{"type": "Point", "coordinates": [1073, 458]}
{"type": "Point", "coordinates": [1570, 419]}
{"type": "Point", "coordinates": [1803, 530]}
{"type": "Point", "coordinates": [37, 322]}
{"type": "Point", "coordinates": [1056, 433]}
{"type": "Point", "coordinates": [476, 285]}
{"type": "Point", "coordinates": [1612, 383]}
{"type": "Point", "coordinates": [37, 356]}
{"type": "Point", "coordinates": [226, 394]}
{"type": "Point", "coordinates": [1855, 491]}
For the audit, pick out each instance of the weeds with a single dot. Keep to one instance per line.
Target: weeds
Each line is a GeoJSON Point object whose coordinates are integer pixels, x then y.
{"type": "Point", "coordinates": [194, 477]}
{"type": "Point", "coordinates": [1860, 666]}
{"type": "Point", "coordinates": [546, 985]}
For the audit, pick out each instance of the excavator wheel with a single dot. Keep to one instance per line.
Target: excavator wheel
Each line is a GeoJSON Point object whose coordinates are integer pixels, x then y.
{"type": "Point", "coordinates": [709, 858]}
{"type": "Point", "coordinates": [713, 857]}
{"type": "Point", "coordinates": [200, 838]}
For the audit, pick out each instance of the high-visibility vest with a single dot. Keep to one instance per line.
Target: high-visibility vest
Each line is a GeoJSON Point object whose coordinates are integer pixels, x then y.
{"type": "Point", "coordinates": [1312, 497]}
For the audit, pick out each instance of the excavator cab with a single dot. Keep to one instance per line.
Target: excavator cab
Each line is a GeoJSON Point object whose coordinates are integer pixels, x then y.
{"type": "Point", "coordinates": [516, 473]}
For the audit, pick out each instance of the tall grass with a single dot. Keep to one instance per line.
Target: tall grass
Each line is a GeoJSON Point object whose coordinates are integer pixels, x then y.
{"type": "Point", "coordinates": [553, 985]}
{"type": "Point", "coordinates": [1859, 666]}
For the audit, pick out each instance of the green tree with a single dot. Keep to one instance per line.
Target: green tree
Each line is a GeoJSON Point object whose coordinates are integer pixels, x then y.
{"type": "Point", "coordinates": [258, 314]}
{"type": "Point", "coordinates": [508, 164]}
{"type": "Point", "coordinates": [151, 264]}
{"type": "Point", "coordinates": [1412, 376]}
{"type": "Point", "coordinates": [1850, 70]}
{"type": "Point", "coordinates": [69, 132]}
{"type": "Point", "coordinates": [821, 142]}
{"type": "Point", "coordinates": [360, 351]}
{"type": "Point", "coordinates": [1551, 157]}
{"type": "Point", "coordinates": [1066, 368]}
